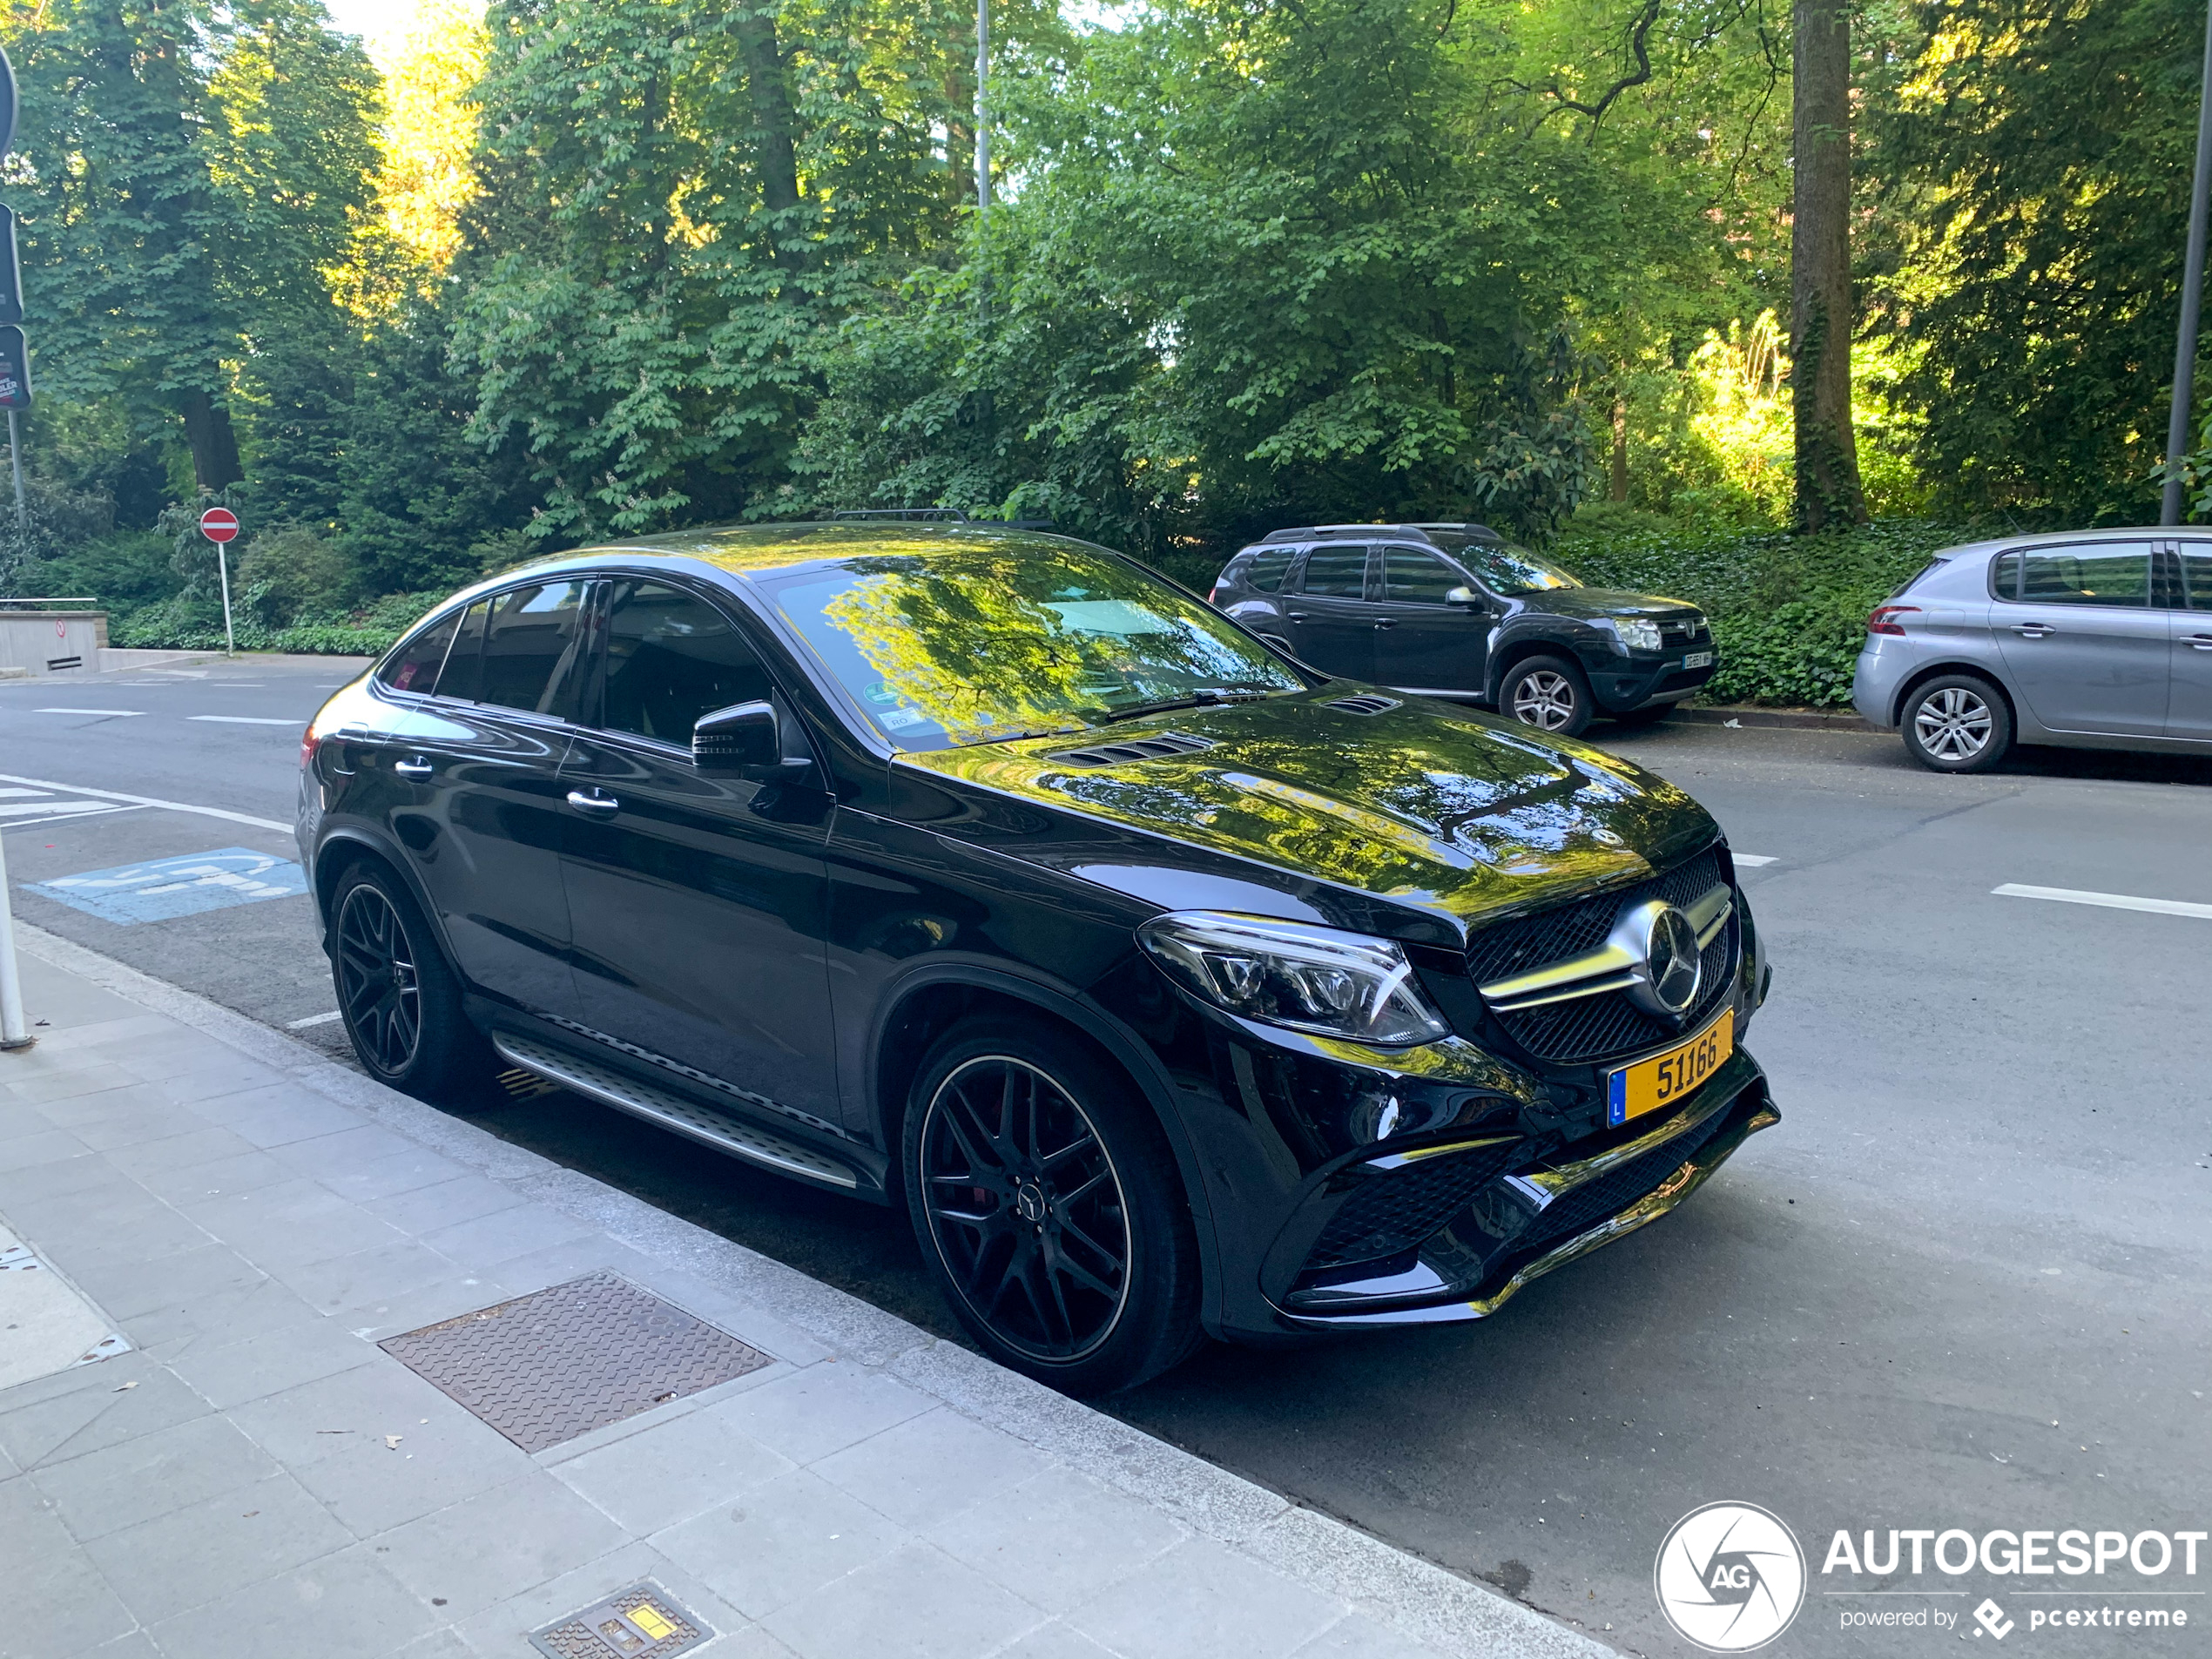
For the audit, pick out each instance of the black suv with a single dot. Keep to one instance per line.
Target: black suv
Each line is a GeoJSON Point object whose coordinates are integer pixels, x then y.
{"type": "Point", "coordinates": [1455, 610]}
{"type": "Point", "coordinates": [1171, 988]}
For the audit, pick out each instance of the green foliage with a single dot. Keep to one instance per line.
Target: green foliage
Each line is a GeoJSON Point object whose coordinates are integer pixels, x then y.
{"type": "Point", "coordinates": [1789, 612]}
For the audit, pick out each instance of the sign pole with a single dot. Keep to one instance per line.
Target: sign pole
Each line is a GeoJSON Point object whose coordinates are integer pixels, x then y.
{"type": "Point", "coordinates": [14, 1034]}
{"type": "Point", "coordinates": [15, 460]}
{"type": "Point", "coordinates": [219, 525]}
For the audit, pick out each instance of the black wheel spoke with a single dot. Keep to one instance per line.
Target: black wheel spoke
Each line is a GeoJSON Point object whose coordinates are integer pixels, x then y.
{"type": "Point", "coordinates": [1025, 1208]}
{"type": "Point", "coordinates": [378, 987]}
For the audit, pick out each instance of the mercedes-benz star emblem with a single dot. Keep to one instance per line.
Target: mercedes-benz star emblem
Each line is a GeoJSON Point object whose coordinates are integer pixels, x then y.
{"type": "Point", "coordinates": [1671, 958]}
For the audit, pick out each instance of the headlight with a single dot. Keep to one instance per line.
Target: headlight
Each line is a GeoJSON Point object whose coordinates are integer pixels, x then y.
{"type": "Point", "coordinates": [1309, 979]}
{"type": "Point", "coordinates": [1637, 633]}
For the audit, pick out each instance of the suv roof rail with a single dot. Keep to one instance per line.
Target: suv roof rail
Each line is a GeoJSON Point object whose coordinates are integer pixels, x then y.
{"type": "Point", "coordinates": [906, 514]}
{"type": "Point", "coordinates": [1481, 532]}
{"type": "Point", "coordinates": [1345, 532]}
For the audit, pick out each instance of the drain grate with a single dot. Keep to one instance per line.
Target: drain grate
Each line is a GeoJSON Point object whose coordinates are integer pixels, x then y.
{"type": "Point", "coordinates": [549, 1366]}
{"type": "Point", "coordinates": [641, 1622]}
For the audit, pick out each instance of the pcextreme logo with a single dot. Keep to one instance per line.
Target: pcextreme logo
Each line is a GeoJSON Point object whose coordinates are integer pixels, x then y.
{"type": "Point", "coordinates": [1730, 1577]}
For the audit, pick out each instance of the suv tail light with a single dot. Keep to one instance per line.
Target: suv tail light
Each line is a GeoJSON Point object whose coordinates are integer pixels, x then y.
{"type": "Point", "coordinates": [310, 740]}
{"type": "Point", "coordinates": [1883, 619]}
{"type": "Point", "coordinates": [1213, 595]}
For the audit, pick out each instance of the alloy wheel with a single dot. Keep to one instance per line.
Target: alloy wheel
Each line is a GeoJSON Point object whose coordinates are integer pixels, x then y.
{"type": "Point", "coordinates": [1026, 1208]}
{"type": "Point", "coordinates": [1953, 724]}
{"type": "Point", "coordinates": [1545, 699]}
{"type": "Point", "coordinates": [378, 986]}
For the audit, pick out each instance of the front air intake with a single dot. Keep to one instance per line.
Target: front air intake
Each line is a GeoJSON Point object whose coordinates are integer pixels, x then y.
{"type": "Point", "coordinates": [1167, 744]}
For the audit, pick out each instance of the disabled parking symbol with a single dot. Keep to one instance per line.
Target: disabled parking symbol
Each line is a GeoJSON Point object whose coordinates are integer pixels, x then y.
{"type": "Point", "coordinates": [164, 888]}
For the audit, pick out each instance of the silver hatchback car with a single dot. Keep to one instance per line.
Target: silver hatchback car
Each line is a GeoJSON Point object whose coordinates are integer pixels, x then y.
{"type": "Point", "coordinates": [2092, 639]}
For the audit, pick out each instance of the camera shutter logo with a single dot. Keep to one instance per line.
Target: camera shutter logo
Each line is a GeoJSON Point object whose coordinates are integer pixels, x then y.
{"type": "Point", "coordinates": [1730, 1577]}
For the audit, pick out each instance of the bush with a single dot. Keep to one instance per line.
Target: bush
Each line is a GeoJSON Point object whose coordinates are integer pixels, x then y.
{"type": "Point", "coordinates": [1789, 612]}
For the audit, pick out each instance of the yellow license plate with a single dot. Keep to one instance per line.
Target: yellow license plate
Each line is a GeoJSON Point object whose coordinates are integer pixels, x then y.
{"type": "Point", "coordinates": [1665, 1078]}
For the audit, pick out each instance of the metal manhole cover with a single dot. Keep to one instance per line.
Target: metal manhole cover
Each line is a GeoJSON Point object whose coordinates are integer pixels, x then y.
{"type": "Point", "coordinates": [558, 1363]}
{"type": "Point", "coordinates": [641, 1622]}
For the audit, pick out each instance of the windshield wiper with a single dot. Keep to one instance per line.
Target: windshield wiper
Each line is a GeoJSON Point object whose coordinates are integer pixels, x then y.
{"type": "Point", "coordinates": [1196, 700]}
{"type": "Point", "coordinates": [1014, 736]}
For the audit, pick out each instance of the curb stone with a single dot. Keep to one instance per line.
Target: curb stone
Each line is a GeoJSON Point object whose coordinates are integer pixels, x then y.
{"type": "Point", "coordinates": [1748, 714]}
{"type": "Point", "coordinates": [1420, 1599]}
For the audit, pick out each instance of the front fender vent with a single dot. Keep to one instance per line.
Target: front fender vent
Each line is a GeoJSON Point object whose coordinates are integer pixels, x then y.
{"type": "Point", "coordinates": [1362, 704]}
{"type": "Point", "coordinates": [1160, 747]}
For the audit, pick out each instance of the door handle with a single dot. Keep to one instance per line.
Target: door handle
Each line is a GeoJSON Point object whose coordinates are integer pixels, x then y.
{"type": "Point", "coordinates": [1387, 622]}
{"type": "Point", "coordinates": [1297, 616]}
{"type": "Point", "coordinates": [2197, 642]}
{"type": "Point", "coordinates": [2034, 629]}
{"type": "Point", "coordinates": [599, 805]}
{"type": "Point", "coordinates": [413, 767]}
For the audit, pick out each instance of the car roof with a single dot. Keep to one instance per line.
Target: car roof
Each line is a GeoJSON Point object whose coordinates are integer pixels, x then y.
{"type": "Point", "coordinates": [749, 551]}
{"type": "Point", "coordinates": [2057, 538]}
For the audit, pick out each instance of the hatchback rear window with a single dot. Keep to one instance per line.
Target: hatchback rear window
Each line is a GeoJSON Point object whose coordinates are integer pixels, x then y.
{"type": "Point", "coordinates": [1913, 581]}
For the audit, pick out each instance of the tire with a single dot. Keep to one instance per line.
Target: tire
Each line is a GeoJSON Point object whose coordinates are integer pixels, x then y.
{"type": "Point", "coordinates": [399, 997]}
{"type": "Point", "coordinates": [1957, 723]}
{"type": "Point", "coordinates": [1650, 714]}
{"type": "Point", "coordinates": [1073, 1259]}
{"type": "Point", "coordinates": [1549, 693]}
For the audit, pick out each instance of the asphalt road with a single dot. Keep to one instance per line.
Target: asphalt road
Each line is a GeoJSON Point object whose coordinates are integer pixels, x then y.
{"type": "Point", "coordinates": [1962, 1284]}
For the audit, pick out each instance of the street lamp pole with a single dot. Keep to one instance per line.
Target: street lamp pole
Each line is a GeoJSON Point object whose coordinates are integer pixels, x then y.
{"type": "Point", "coordinates": [2177, 421]}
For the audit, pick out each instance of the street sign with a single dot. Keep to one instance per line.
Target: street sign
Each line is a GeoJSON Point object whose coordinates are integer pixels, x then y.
{"type": "Point", "coordinates": [14, 368]}
{"type": "Point", "coordinates": [218, 524]}
{"type": "Point", "coordinates": [11, 268]}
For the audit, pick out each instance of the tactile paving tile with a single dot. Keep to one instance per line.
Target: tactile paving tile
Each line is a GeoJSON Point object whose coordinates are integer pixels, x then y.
{"type": "Point", "coordinates": [640, 1622]}
{"type": "Point", "coordinates": [558, 1363]}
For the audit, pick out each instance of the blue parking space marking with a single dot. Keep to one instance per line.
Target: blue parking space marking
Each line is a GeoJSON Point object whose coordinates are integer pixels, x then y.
{"type": "Point", "coordinates": [164, 888]}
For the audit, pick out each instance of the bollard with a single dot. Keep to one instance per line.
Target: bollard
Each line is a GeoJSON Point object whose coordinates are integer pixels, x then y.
{"type": "Point", "coordinates": [14, 1034]}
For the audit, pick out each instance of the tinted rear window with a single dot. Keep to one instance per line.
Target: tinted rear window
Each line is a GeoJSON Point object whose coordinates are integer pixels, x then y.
{"type": "Point", "coordinates": [1337, 571]}
{"type": "Point", "coordinates": [531, 646]}
{"type": "Point", "coordinates": [1265, 570]}
{"type": "Point", "coordinates": [415, 666]}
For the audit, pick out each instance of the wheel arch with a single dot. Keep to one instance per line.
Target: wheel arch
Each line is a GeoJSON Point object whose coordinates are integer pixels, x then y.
{"type": "Point", "coordinates": [1518, 650]}
{"type": "Point", "coordinates": [348, 845]}
{"type": "Point", "coordinates": [935, 997]}
{"type": "Point", "coordinates": [1982, 671]}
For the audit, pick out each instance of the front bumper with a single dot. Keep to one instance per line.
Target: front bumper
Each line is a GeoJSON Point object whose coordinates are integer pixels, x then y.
{"type": "Point", "coordinates": [1622, 684]}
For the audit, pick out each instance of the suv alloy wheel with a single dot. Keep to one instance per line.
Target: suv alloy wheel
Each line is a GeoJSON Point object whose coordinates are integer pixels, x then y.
{"type": "Point", "coordinates": [1548, 693]}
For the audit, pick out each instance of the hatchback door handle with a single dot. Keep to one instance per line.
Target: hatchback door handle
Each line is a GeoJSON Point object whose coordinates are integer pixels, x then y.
{"type": "Point", "coordinates": [600, 806]}
{"type": "Point", "coordinates": [2034, 629]}
{"type": "Point", "coordinates": [413, 767]}
{"type": "Point", "coordinates": [2197, 642]}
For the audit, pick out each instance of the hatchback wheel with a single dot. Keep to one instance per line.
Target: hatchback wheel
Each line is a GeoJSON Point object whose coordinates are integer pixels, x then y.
{"type": "Point", "coordinates": [1548, 693]}
{"type": "Point", "coordinates": [400, 1001]}
{"type": "Point", "coordinates": [1957, 723]}
{"type": "Point", "coordinates": [1049, 1210]}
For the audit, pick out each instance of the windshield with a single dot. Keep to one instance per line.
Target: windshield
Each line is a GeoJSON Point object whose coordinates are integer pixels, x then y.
{"type": "Point", "coordinates": [952, 644]}
{"type": "Point", "coordinates": [1505, 569]}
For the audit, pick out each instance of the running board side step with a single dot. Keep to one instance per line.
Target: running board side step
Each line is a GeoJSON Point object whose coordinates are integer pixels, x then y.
{"type": "Point", "coordinates": [723, 1131]}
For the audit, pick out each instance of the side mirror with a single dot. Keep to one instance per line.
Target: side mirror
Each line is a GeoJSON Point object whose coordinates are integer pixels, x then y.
{"type": "Point", "coordinates": [1465, 596]}
{"type": "Point", "coordinates": [741, 739]}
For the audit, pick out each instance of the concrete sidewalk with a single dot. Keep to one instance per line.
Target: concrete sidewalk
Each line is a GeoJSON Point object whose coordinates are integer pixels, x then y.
{"type": "Point", "coordinates": [256, 1476]}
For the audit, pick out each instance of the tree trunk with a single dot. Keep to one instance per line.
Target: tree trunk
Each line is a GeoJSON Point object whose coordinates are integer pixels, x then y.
{"type": "Point", "coordinates": [773, 113]}
{"type": "Point", "coordinates": [1618, 489]}
{"type": "Point", "coordinates": [214, 445]}
{"type": "Point", "coordinates": [1820, 312]}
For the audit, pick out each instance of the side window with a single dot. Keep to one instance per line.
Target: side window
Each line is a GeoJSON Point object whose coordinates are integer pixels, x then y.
{"type": "Point", "coordinates": [1337, 572]}
{"type": "Point", "coordinates": [2004, 577]}
{"type": "Point", "coordinates": [2114, 573]}
{"type": "Point", "coordinates": [532, 644]}
{"type": "Point", "coordinates": [464, 674]}
{"type": "Point", "coordinates": [672, 657]}
{"type": "Point", "coordinates": [415, 666]}
{"type": "Point", "coordinates": [1266, 569]}
{"type": "Point", "coordinates": [1413, 577]}
{"type": "Point", "coordinates": [2195, 560]}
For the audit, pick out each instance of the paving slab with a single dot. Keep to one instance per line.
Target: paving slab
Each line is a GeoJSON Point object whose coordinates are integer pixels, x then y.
{"type": "Point", "coordinates": [258, 1477]}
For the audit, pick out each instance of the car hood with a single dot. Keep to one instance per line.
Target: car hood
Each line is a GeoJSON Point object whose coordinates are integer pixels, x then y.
{"type": "Point", "coordinates": [1586, 604]}
{"type": "Point", "coordinates": [1421, 821]}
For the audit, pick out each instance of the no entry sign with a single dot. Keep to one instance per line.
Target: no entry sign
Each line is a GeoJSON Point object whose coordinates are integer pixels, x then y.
{"type": "Point", "coordinates": [218, 524]}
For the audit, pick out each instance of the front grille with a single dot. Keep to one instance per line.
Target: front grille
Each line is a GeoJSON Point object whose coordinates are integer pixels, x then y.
{"type": "Point", "coordinates": [1393, 1210]}
{"type": "Point", "coordinates": [1583, 1207]}
{"type": "Point", "coordinates": [1677, 631]}
{"type": "Point", "coordinates": [1596, 1027]}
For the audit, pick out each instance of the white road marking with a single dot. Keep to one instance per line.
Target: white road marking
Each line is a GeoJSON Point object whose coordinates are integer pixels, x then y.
{"type": "Point", "coordinates": [18, 794]}
{"type": "Point", "coordinates": [2109, 901]}
{"type": "Point", "coordinates": [73, 810]}
{"type": "Point", "coordinates": [54, 808]}
{"type": "Point", "coordinates": [222, 813]}
{"type": "Point", "coordinates": [120, 714]}
{"type": "Point", "coordinates": [245, 719]}
{"type": "Point", "coordinates": [312, 1019]}
{"type": "Point", "coordinates": [1752, 860]}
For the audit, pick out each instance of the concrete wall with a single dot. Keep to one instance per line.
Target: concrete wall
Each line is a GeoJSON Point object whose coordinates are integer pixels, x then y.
{"type": "Point", "coordinates": [52, 641]}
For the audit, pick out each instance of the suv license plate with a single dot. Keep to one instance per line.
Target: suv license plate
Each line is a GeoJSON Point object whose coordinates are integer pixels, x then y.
{"type": "Point", "coordinates": [1698, 659]}
{"type": "Point", "coordinates": [1665, 1078]}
